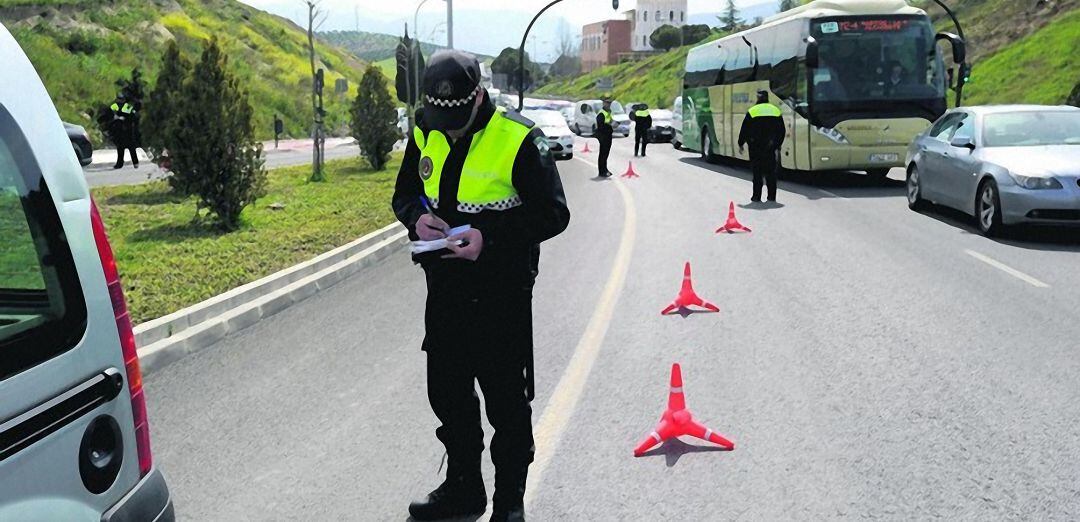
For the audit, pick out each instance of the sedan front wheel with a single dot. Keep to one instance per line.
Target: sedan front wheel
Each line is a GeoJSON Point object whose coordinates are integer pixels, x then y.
{"type": "Point", "coordinates": [988, 209]}
{"type": "Point", "coordinates": [915, 200]}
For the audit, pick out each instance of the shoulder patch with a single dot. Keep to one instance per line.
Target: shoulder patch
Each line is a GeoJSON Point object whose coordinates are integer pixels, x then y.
{"type": "Point", "coordinates": [516, 117]}
{"type": "Point", "coordinates": [542, 145]}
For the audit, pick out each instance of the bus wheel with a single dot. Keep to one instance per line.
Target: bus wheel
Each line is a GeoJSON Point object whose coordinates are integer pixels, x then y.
{"type": "Point", "coordinates": [878, 174]}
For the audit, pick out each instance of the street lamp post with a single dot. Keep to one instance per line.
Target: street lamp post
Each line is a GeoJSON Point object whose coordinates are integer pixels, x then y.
{"type": "Point", "coordinates": [521, 51]}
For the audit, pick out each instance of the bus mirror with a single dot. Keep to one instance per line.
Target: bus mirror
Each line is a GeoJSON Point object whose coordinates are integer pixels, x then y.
{"type": "Point", "coordinates": [811, 53]}
{"type": "Point", "coordinates": [959, 47]}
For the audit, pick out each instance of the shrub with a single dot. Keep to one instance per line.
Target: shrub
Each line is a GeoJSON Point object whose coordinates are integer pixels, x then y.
{"type": "Point", "coordinates": [374, 119]}
{"type": "Point", "coordinates": [665, 37]}
{"type": "Point", "coordinates": [159, 118]}
{"type": "Point", "coordinates": [214, 152]}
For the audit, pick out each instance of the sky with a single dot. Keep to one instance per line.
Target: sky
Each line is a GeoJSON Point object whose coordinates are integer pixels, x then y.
{"type": "Point", "coordinates": [484, 26]}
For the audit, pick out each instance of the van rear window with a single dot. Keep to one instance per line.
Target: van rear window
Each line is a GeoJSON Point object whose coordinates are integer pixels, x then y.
{"type": "Point", "coordinates": [42, 311]}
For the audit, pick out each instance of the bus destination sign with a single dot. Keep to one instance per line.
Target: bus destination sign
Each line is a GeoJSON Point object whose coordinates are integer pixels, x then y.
{"type": "Point", "coordinates": [873, 26]}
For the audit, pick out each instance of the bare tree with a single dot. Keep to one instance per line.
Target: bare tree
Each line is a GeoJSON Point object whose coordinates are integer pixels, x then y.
{"type": "Point", "coordinates": [568, 45]}
{"type": "Point", "coordinates": [316, 17]}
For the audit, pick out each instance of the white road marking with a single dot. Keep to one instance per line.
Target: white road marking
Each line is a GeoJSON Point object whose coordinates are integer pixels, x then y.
{"type": "Point", "coordinates": [830, 194]}
{"type": "Point", "coordinates": [560, 408]}
{"type": "Point", "coordinates": [1007, 269]}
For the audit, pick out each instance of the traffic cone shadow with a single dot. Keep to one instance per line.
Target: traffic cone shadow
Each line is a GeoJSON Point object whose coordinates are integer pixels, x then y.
{"type": "Point", "coordinates": [688, 298]}
{"type": "Point", "coordinates": [630, 172]}
{"type": "Point", "coordinates": [677, 421]}
{"type": "Point", "coordinates": [732, 226]}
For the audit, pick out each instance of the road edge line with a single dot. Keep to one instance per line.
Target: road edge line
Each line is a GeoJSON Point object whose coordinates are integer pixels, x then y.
{"type": "Point", "coordinates": [1007, 269]}
{"type": "Point", "coordinates": [556, 416]}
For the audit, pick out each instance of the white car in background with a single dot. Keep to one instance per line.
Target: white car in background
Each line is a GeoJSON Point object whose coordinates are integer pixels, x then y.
{"type": "Point", "coordinates": [560, 139]}
{"type": "Point", "coordinates": [585, 117]}
{"type": "Point", "coordinates": [677, 122]}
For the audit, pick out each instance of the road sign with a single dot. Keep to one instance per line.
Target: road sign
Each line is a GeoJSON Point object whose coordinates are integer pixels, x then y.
{"type": "Point", "coordinates": [605, 83]}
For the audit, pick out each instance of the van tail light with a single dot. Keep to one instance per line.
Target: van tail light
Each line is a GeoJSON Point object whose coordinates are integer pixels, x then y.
{"type": "Point", "coordinates": [127, 341]}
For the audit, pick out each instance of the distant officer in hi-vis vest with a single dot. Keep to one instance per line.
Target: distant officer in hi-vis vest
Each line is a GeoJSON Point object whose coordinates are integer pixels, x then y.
{"type": "Point", "coordinates": [603, 134]}
{"type": "Point", "coordinates": [642, 123]}
{"type": "Point", "coordinates": [763, 130]}
{"type": "Point", "coordinates": [469, 163]}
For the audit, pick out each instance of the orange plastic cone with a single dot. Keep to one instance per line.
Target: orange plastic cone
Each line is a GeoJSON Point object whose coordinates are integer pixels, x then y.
{"type": "Point", "coordinates": [678, 421]}
{"type": "Point", "coordinates": [687, 297]}
{"type": "Point", "coordinates": [732, 226]}
{"type": "Point", "coordinates": [586, 149]}
{"type": "Point", "coordinates": [630, 172]}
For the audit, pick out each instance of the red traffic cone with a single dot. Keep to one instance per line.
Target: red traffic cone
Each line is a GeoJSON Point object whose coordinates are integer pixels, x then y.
{"type": "Point", "coordinates": [678, 421]}
{"type": "Point", "coordinates": [687, 297]}
{"type": "Point", "coordinates": [630, 172]}
{"type": "Point", "coordinates": [586, 149]}
{"type": "Point", "coordinates": [732, 226]}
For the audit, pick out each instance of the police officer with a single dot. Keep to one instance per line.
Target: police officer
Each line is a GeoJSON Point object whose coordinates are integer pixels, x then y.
{"type": "Point", "coordinates": [642, 124]}
{"type": "Point", "coordinates": [124, 130]}
{"type": "Point", "coordinates": [470, 163]}
{"type": "Point", "coordinates": [763, 130]}
{"type": "Point", "coordinates": [279, 127]}
{"type": "Point", "coordinates": [603, 135]}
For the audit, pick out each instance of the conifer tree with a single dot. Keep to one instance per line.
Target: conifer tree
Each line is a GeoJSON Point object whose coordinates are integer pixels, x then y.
{"type": "Point", "coordinates": [730, 20]}
{"type": "Point", "coordinates": [215, 153]}
{"type": "Point", "coordinates": [373, 119]}
{"type": "Point", "coordinates": [159, 116]}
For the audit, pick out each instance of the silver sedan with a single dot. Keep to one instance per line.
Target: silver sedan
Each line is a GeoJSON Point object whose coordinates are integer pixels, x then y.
{"type": "Point", "coordinates": [1005, 165]}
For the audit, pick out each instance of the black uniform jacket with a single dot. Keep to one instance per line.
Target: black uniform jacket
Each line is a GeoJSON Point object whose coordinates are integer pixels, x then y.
{"type": "Point", "coordinates": [604, 129]}
{"type": "Point", "coordinates": [508, 264]}
{"type": "Point", "coordinates": [764, 134]}
{"type": "Point", "coordinates": [644, 123]}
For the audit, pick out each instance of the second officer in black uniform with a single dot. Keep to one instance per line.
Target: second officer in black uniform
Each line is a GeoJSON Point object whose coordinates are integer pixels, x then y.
{"type": "Point", "coordinates": [473, 164]}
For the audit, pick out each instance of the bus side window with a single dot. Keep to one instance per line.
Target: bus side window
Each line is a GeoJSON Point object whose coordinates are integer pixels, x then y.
{"type": "Point", "coordinates": [801, 95]}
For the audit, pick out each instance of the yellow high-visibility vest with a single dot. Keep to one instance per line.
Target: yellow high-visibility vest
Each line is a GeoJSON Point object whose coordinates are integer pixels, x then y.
{"type": "Point", "coordinates": [606, 115]}
{"type": "Point", "coordinates": [487, 175]}
{"type": "Point", "coordinates": [642, 113]}
{"type": "Point", "coordinates": [764, 109]}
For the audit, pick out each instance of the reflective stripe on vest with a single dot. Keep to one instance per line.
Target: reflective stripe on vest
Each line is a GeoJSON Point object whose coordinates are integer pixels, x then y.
{"type": "Point", "coordinates": [126, 109]}
{"type": "Point", "coordinates": [487, 175]}
{"type": "Point", "coordinates": [641, 114]}
{"type": "Point", "coordinates": [764, 109]}
{"type": "Point", "coordinates": [606, 115]}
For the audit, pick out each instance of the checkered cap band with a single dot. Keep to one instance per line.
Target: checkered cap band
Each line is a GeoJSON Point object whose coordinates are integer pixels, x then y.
{"type": "Point", "coordinates": [454, 103]}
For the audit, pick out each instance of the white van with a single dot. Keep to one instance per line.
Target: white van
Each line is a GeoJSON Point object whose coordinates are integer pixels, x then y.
{"type": "Point", "coordinates": [74, 437]}
{"type": "Point", "coordinates": [585, 118]}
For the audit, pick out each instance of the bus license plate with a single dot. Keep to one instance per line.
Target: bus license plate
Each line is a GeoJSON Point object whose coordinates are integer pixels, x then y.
{"type": "Point", "coordinates": [884, 158]}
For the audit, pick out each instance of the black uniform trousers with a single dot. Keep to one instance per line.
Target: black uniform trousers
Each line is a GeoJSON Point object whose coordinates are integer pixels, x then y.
{"type": "Point", "coordinates": [120, 148]}
{"type": "Point", "coordinates": [764, 165]}
{"type": "Point", "coordinates": [485, 340]}
{"type": "Point", "coordinates": [605, 151]}
{"type": "Point", "coordinates": [641, 139]}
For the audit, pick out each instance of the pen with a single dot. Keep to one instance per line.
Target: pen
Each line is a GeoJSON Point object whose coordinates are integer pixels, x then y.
{"type": "Point", "coordinates": [427, 207]}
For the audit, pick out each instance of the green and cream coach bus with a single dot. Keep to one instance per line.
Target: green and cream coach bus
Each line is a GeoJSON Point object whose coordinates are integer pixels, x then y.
{"type": "Point", "coordinates": [856, 80]}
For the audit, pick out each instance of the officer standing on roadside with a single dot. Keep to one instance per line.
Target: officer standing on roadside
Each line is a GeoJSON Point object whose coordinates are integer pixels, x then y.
{"type": "Point", "coordinates": [469, 163]}
{"type": "Point", "coordinates": [124, 130]}
{"type": "Point", "coordinates": [763, 130]}
{"type": "Point", "coordinates": [642, 124]}
{"type": "Point", "coordinates": [279, 127]}
{"type": "Point", "coordinates": [603, 135]}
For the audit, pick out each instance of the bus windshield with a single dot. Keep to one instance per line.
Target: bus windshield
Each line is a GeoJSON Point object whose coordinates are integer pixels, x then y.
{"type": "Point", "coordinates": [876, 58]}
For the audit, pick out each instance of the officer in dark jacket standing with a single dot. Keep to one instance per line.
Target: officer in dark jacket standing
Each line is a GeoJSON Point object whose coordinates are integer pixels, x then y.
{"type": "Point", "coordinates": [642, 124]}
{"type": "Point", "coordinates": [124, 130]}
{"type": "Point", "coordinates": [763, 130]}
{"type": "Point", "coordinates": [473, 164]}
{"type": "Point", "coordinates": [603, 134]}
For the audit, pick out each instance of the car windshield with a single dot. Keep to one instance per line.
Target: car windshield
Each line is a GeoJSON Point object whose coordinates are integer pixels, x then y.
{"type": "Point", "coordinates": [876, 58]}
{"type": "Point", "coordinates": [1031, 128]}
{"type": "Point", "coordinates": [545, 118]}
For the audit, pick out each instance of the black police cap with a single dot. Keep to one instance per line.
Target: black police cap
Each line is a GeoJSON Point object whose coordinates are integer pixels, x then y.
{"type": "Point", "coordinates": [451, 85]}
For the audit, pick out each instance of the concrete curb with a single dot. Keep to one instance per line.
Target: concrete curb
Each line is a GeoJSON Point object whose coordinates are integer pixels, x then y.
{"type": "Point", "coordinates": [174, 336]}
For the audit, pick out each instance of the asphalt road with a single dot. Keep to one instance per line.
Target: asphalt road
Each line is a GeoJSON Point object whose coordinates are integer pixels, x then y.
{"type": "Point", "coordinates": [868, 361]}
{"type": "Point", "coordinates": [99, 175]}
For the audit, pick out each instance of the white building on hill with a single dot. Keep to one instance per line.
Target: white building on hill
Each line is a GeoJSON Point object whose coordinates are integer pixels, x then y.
{"type": "Point", "coordinates": [650, 15]}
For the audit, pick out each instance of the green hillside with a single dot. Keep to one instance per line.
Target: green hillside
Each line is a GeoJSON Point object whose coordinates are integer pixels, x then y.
{"type": "Point", "coordinates": [368, 46]}
{"type": "Point", "coordinates": [1023, 52]}
{"type": "Point", "coordinates": [80, 48]}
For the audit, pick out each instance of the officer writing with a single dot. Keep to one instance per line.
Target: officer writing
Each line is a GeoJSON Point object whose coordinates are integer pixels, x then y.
{"type": "Point", "coordinates": [603, 135]}
{"type": "Point", "coordinates": [468, 163]}
{"type": "Point", "coordinates": [642, 124]}
{"type": "Point", "coordinates": [763, 130]}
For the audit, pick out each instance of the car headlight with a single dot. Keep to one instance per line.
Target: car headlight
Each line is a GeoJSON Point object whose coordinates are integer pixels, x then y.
{"type": "Point", "coordinates": [1036, 182]}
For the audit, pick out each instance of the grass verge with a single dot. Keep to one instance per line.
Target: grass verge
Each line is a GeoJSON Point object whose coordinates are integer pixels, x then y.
{"type": "Point", "coordinates": [167, 262]}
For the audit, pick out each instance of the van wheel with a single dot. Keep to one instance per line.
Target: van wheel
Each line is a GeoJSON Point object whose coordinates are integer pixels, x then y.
{"type": "Point", "coordinates": [577, 129]}
{"type": "Point", "coordinates": [988, 209]}
{"type": "Point", "coordinates": [677, 144]}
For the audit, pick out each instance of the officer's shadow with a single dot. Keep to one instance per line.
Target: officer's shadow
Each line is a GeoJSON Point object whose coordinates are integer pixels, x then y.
{"type": "Point", "coordinates": [761, 205]}
{"type": "Point", "coordinates": [674, 449]}
{"type": "Point", "coordinates": [470, 518]}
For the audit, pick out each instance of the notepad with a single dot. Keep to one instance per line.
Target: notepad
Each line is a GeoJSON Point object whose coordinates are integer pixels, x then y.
{"type": "Point", "coordinates": [420, 247]}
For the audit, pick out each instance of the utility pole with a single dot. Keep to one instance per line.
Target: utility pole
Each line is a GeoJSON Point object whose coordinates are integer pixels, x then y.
{"type": "Point", "coordinates": [317, 77]}
{"type": "Point", "coordinates": [450, 24]}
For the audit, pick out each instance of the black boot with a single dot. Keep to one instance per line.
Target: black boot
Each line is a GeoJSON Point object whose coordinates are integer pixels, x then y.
{"type": "Point", "coordinates": [508, 515]}
{"type": "Point", "coordinates": [455, 497]}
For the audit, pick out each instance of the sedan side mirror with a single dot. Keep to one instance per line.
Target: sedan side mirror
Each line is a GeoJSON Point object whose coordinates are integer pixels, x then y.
{"type": "Point", "coordinates": [963, 143]}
